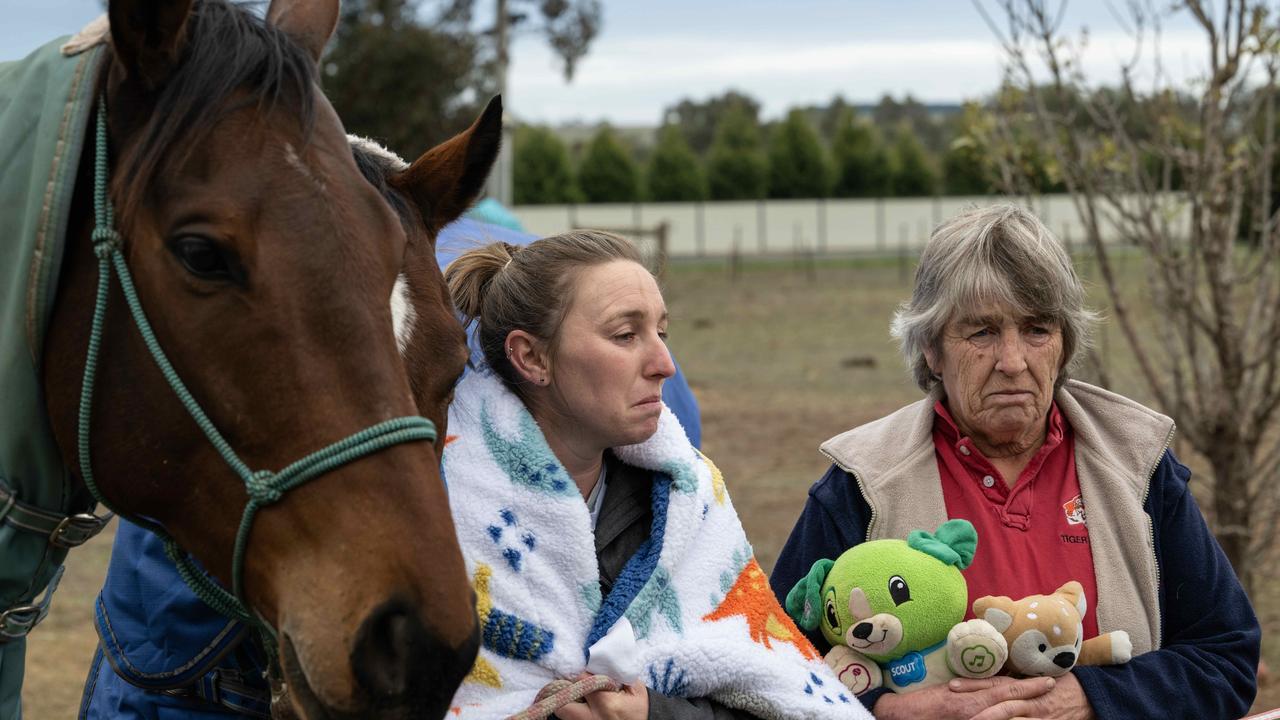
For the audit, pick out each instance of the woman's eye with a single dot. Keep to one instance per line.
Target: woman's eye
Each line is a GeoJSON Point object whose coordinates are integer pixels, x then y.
{"type": "Point", "coordinates": [625, 337]}
{"type": "Point", "coordinates": [662, 334]}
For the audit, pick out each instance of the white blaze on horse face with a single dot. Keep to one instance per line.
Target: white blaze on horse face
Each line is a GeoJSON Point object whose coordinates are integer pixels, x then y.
{"type": "Point", "coordinates": [403, 316]}
{"type": "Point", "coordinates": [297, 163]}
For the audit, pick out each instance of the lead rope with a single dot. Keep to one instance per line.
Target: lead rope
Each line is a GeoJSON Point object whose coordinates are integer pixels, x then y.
{"type": "Point", "coordinates": [263, 486]}
{"type": "Point", "coordinates": [559, 693]}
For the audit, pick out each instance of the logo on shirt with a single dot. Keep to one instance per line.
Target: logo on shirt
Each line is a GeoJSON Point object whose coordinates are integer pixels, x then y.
{"type": "Point", "coordinates": [1074, 510]}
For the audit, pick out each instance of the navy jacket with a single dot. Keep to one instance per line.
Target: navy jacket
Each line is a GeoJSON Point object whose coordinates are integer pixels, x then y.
{"type": "Point", "coordinates": [1206, 668]}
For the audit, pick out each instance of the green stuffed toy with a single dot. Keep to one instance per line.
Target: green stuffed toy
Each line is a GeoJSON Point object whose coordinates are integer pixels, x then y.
{"type": "Point", "coordinates": [893, 611]}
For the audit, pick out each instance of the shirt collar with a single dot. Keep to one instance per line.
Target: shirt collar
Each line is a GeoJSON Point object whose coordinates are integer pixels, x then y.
{"type": "Point", "coordinates": [951, 432]}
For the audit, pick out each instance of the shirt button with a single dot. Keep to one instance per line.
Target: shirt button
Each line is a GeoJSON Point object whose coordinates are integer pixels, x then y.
{"type": "Point", "coordinates": [964, 449]}
{"type": "Point", "coordinates": [988, 481]}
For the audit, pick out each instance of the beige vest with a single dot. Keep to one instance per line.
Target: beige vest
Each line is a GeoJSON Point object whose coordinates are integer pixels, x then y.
{"type": "Point", "coordinates": [1118, 445]}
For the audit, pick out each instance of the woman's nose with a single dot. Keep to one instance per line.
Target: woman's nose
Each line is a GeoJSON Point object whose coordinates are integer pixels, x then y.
{"type": "Point", "coordinates": [660, 364]}
{"type": "Point", "coordinates": [1011, 356]}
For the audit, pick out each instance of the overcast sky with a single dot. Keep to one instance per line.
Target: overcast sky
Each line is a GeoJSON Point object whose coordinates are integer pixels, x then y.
{"type": "Point", "coordinates": [652, 53]}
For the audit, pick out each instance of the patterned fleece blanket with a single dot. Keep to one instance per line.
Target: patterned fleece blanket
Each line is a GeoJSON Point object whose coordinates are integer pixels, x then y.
{"type": "Point", "coordinates": [690, 615]}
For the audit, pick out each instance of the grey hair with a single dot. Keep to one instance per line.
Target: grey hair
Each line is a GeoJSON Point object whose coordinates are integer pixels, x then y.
{"type": "Point", "coordinates": [999, 254]}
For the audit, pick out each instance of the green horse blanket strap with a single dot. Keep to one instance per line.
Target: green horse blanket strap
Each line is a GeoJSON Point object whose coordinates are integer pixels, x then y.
{"type": "Point", "coordinates": [45, 104]}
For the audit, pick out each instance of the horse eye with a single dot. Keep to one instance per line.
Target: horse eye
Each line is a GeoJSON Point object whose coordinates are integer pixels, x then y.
{"type": "Point", "coordinates": [201, 257]}
{"type": "Point", "coordinates": [898, 590]}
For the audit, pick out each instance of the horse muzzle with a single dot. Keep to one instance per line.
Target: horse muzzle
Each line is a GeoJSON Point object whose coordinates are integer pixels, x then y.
{"type": "Point", "coordinates": [401, 671]}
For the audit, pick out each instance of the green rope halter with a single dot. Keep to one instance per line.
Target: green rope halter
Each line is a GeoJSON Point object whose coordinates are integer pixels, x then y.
{"type": "Point", "coordinates": [263, 486]}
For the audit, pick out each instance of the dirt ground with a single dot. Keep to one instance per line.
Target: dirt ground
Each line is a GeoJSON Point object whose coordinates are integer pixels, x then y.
{"type": "Point", "coordinates": [781, 356]}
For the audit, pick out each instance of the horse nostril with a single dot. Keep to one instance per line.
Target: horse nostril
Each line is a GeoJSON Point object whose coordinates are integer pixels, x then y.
{"type": "Point", "coordinates": [401, 663]}
{"type": "Point", "coordinates": [862, 631]}
{"type": "Point", "coordinates": [388, 648]}
{"type": "Point", "coordinates": [1064, 659]}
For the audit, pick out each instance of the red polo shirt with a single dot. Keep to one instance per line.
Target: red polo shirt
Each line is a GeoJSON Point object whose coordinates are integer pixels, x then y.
{"type": "Point", "coordinates": [1032, 537]}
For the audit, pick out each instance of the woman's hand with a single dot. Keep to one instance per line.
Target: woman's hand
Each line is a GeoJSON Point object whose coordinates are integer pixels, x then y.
{"type": "Point", "coordinates": [629, 703]}
{"type": "Point", "coordinates": [1066, 701]}
{"type": "Point", "coordinates": [961, 699]}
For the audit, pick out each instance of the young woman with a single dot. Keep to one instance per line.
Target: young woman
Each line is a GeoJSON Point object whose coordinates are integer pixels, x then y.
{"type": "Point", "coordinates": [598, 539]}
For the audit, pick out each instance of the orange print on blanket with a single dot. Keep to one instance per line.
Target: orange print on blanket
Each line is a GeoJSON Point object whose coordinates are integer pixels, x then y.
{"type": "Point", "coordinates": [751, 598]}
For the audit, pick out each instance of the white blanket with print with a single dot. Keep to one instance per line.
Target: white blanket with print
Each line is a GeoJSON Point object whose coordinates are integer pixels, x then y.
{"type": "Point", "coordinates": [691, 615]}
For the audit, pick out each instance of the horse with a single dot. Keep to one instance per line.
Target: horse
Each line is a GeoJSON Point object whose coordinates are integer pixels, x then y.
{"type": "Point", "coordinates": [263, 262]}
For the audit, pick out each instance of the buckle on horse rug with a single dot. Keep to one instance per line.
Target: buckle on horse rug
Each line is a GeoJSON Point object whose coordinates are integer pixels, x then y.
{"type": "Point", "coordinates": [76, 530]}
{"type": "Point", "coordinates": [19, 620]}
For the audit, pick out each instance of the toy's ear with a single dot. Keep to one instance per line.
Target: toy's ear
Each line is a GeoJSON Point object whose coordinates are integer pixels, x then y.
{"type": "Point", "coordinates": [955, 542]}
{"type": "Point", "coordinates": [993, 610]}
{"type": "Point", "coordinates": [1074, 592]}
{"type": "Point", "coordinates": [804, 601]}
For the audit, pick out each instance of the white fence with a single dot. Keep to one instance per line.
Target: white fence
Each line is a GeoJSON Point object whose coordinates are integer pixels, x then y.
{"type": "Point", "coordinates": [787, 226]}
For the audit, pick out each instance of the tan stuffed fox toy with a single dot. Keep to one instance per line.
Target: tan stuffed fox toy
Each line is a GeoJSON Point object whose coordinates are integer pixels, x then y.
{"type": "Point", "coordinates": [1045, 633]}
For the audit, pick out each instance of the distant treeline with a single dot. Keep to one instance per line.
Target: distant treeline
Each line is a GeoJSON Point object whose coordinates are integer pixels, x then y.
{"type": "Point", "coordinates": [720, 150]}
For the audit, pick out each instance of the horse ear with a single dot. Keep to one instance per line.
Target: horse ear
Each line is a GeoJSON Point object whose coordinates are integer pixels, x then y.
{"type": "Point", "coordinates": [148, 37]}
{"type": "Point", "coordinates": [448, 177]}
{"type": "Point", "coordinates": [310, 24]}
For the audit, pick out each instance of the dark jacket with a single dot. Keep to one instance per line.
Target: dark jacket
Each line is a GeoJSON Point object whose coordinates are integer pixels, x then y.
{"type": "Point", "coordinates": [625, 518]}
{"type": "Point", "coordinates": [1209, 652]}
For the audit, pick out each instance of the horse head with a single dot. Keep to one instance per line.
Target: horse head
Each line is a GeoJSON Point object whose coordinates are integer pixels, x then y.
{"type": "Point", "coordinates": [265, 263]}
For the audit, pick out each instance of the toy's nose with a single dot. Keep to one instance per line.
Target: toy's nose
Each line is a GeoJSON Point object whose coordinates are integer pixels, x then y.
{"type": "Point", "coordinates": [862, 631]}
{"type": "Point", "coordinates": [1064, 659]}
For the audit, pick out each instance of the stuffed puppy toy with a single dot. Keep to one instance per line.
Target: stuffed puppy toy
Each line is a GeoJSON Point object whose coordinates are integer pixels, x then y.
{"type": "Point", "coordinates": [893, 611]}
{"type": "Point", "coordinates": [1045, 633]}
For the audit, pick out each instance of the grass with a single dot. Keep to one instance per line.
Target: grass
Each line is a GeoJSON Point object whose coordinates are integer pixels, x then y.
{"type": "Point", "coordinates": [781, 357]}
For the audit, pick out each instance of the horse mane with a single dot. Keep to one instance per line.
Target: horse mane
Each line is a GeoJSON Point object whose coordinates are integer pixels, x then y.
{"type": "Point", "coordinates": [377, 164]}
{"type": "Point", "coordinates": [229, 52]}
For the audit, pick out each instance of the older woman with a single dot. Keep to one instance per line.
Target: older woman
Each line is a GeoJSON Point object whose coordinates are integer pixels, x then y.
{"type": "Point", "coordinates": [598, 539]}
{"type": "Point", "coordinates": [1006, 441]}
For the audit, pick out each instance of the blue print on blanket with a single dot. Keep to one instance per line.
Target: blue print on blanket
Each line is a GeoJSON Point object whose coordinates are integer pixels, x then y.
{"type": "Point", "coordinates": [514, 637]}
{"type": "Point", "coordinates": [512, 553]}
{"type": "Point", "coordinates": [815, 687]}
{"type": "Point", "coordinates": [671, 681]}
{"type": "Point", "coordinates": [526, 459]}
{"type": "Point", "coordinates": [656, 597]}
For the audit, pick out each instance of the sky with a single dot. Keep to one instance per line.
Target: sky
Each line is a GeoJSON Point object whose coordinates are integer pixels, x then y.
{"type": "Point", "coordinates": [653, 53]}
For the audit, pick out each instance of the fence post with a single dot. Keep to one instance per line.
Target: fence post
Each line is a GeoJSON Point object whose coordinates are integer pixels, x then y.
{"type": "Point", "coordinates": [762, 237]}
{"type": "Point", "coordinates": [904, 229]}
{"type": "Point", "coordinates": [661, 238]}
{"type": "Point", "coordinates": [880, 239]}
{"type": "Point", "coordinates": [701, 237]}
{"type": "Point", "coordinates": [822, 225]}
{"type": "Point", "coordinates": [735, 254]}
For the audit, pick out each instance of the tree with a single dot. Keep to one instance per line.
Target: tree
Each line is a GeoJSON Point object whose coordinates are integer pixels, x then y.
{"type": "Point", "coordinates": [542, 174]}
{"type": "Point", "coordinates": [674, 174]}
{"type": "Point", "coordinates": [967, 165]}
{"type": "Point", "coordinates": [365, 79]}
{"type": "Point", "coordinates": [913, 174]}
{"type": "Point", "coordinates": [700, 120]}
{"type": "Point", "coordinates": [862, 165]}
{"type": "Point", "coordinates": [798, 166]}
{"type": "Point", "coordinates": [607, 172]}
{"type": "Point", "coordinates": [1210, 353]}
{"type": "Point", "coordinates": [890, 115]}
{"type": "Point", "coordinates": [736, 167]}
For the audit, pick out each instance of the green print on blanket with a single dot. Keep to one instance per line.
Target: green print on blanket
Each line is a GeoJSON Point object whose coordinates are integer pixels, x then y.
{"type": "Point", "coordinates": [527, 460]}
{"type": "Point", "coordinates": [657, 596]}
{"type": "Point", "coordinates": [683, 478]}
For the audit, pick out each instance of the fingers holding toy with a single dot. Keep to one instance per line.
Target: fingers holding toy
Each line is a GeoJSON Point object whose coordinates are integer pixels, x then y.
{"type": "Point", "coordinates": [961, 699]}
{"type": "Point", "coordinates": [1064, 700]}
